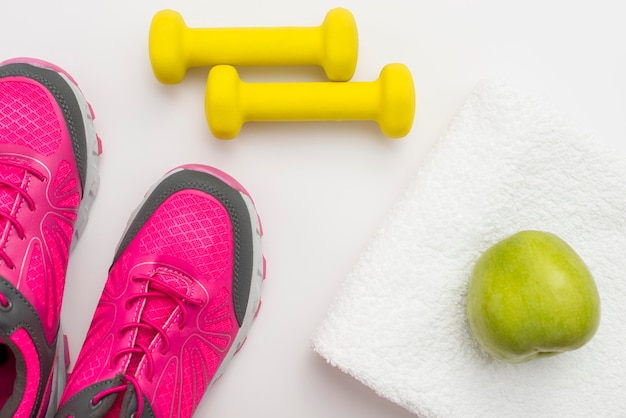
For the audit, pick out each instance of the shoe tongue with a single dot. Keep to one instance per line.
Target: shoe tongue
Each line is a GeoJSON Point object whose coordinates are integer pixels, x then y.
{"type": "Point", "coordinates": [158, 310]}
{"type": "Point", "coordinates": [172, 278]}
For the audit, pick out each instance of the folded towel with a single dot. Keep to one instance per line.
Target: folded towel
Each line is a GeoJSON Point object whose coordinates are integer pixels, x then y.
{"type": "Point", "coordinates": [398, 323]}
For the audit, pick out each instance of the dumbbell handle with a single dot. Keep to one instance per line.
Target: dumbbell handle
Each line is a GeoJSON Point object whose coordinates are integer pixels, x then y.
{"type": "Point", "coordinates": [324, 101]}
{"type": "Point", "coordinates": [254, 46]}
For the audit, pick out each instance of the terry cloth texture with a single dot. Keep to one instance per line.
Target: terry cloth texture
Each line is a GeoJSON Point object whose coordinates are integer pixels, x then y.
{"type": "Point", "coordinates": [398, 323]}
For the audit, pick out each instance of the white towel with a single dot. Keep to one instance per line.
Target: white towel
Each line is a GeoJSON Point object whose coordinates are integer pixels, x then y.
{"type": "Point", "coordinates": [398, 323]}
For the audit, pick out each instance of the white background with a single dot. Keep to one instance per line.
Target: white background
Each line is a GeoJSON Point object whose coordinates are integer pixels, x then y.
{"type": "Point", "coordinates": [321, 188]}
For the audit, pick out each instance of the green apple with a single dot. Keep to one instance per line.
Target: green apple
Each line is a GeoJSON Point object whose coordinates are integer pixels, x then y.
{"type": "Point", "coordinates": [529, 296]}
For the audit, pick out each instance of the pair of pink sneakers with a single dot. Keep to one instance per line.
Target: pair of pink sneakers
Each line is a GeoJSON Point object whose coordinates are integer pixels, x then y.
{"type": "Point", "coordinates": [181, 293]}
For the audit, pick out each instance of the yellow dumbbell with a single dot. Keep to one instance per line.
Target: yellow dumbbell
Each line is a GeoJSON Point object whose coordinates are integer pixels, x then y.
{"type": "Point", "coordinates": [390, 101]}
{"type": "Point", "coordinates": [174, 47]}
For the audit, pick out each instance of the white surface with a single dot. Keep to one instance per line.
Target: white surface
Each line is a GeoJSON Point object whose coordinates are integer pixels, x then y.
{"type": "Point", "coordinates": [322, 189]}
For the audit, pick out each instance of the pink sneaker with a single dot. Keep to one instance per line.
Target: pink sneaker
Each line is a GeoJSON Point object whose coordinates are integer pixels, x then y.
{"type": "Point", "coordinates": [181, 294]}
{"type": "Point", "coordinates": [48, 180]}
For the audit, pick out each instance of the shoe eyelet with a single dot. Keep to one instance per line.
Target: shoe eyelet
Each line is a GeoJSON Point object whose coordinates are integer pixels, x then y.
{"type": "Point", "coordinates": [8, 306]}
{"type": "Point", "coordinates": [94, 405]}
